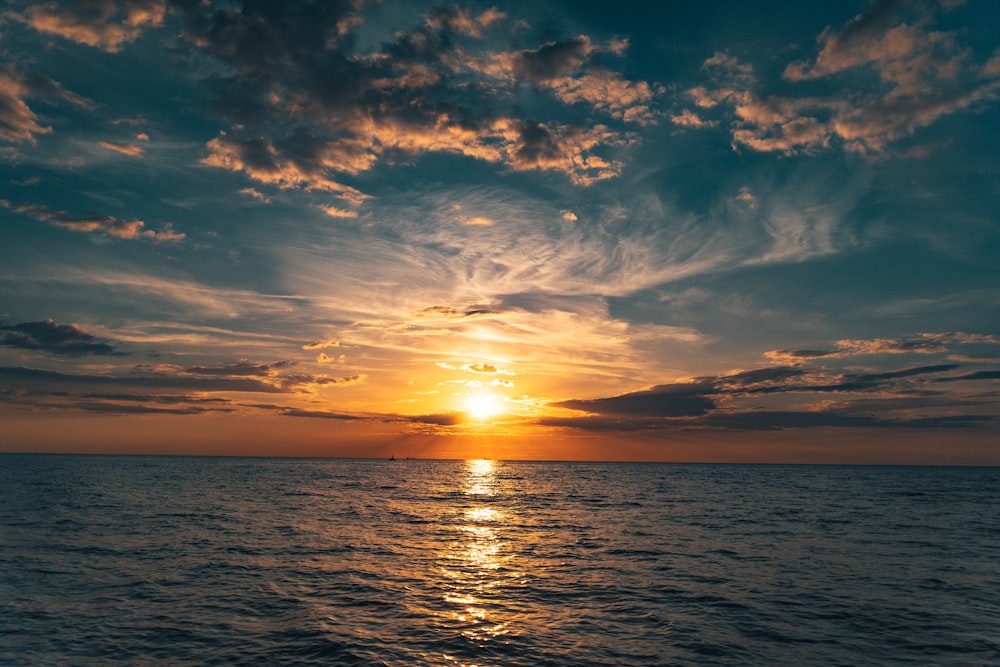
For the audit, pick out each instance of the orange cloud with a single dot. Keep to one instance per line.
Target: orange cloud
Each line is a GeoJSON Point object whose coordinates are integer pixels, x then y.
{"type": "Point", "coordinates": [103, 24]}
{"type": "Point", "coordinates": [320, 344]}
{"type": "Point", "coordinates": [254, 194]}
{"type": "Point", "coordinates": [688, 118]}
{"type": "Point", "coordinates": [125, 149]}
{"type": "Point", "coordinates": [335, 212]}
{"type": "Point", "coordinates": [460, 20]}
{"type": "Point", "coordinates": [260, 161]}
{"type": "Point", "coordinates": [17, 122]}
{"type": "Point", "coordinates": [607, 91]}
{"type": "Point", "coordinates": [106, 224]}
{"type": "Point", "coordinates": [923, 75]}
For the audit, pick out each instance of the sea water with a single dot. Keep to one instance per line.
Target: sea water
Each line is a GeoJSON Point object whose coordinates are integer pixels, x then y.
{"type": "Point", "coordinates": [118, 560]}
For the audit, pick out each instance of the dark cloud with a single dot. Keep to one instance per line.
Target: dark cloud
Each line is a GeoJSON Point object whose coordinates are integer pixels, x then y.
{"type": "Point", "coordinates": [781, 420]}
{"type": "Point", "coordinates": [182, 393]}
{"type": "Point", "coordinates": [318, 414]}
{"type": "Point", "coordinates": [977, 375]}
{"type": "Point", "coordinates": [32, 379]}
{"type": "Point", "coordinates": [446, 419]}
{"type": "Point", "coordinates": [552, 60]}
{"type": "Point", "coordinates": [715, 402]}
{"type": "Point", "coordinates": [242, 367]}
{"type": "Point", "coordinates": [537, 144]}
{"type": "Point", "coordinates": [158, 398]}
{"type": "Point", "coordinates": [670, 400]}
{"type": "Point", "coordinates": [323, 112]}
{"type": "Point", "coordinates": [119, 409]}
{"type": "Point", "coordinates": [610, 424]}
{"type": "Point", "coordinates": [47, 336]}
{"type": "Point", "coordinates": [453, 313]}
{"type": "Point", "coordinates": [925, 343]}
{"type": "Point", "coordinates": [301, 380]}
{"type": "Point", "coordinates": [874, 381]}
{"type": "Point", "coordinates": [762, 375]}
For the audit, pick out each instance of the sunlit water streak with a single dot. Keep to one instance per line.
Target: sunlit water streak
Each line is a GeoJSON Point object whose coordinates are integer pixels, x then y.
{"type": "Point", "coordinates": [200, 561]}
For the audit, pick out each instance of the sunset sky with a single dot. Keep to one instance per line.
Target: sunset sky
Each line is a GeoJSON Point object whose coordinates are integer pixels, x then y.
{"type": "Point", "coordinates": [703, 231]}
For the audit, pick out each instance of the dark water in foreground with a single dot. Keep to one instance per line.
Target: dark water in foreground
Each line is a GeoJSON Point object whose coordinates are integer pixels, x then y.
{"type": "Point", "coordinates": [201, 561]}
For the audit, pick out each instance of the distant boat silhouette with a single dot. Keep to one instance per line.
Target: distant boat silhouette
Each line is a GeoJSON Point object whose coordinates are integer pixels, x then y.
{"type": "Point", "coordinates": [392, 456]}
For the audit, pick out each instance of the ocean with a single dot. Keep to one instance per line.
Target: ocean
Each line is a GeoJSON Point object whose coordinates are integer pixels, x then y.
{"type": "Point", "coordinates": [145, 560]}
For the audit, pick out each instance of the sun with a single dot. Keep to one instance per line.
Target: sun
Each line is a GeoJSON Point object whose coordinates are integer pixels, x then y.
{"type": "Point", "coordinates": [483, 406]}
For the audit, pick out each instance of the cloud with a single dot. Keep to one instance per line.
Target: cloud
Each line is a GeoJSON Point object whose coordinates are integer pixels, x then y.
{"type": "Point", "coordinates": [104, 24]}
{"type": "Point", "coordinates": [105, 224]}
{"type": "Point", "coordinates": [478, 220]}
{"type": "Point", "coordinates": [453, 313]}
{"type": "Point", "coordinates": [261, 161]}
{"type": "Point", "coordinates": [484, 368]}
{"type": "Point", "coordinates": [18, 123]}
{"type": "Point", "coordinates": [318, 414]}
{"type": "Point", "coordinates": [872, 37]}
{"type": "Point", "coordinates": [125, 149]}
{"type": "Point", "coordinates": [480, 368]}
{"type": "Point", "coordinates": [746, 197]}
{"type": "Point", "coordinates": [44, 381]}
{"type": "Point", "coordinates": [240, 368]}
{"type": "Point", "coordinates": [320, 344]}
{"type": "Point", "coordinates": [688, 118]}
{"type": "Point", "coordinates": [254, 194]}
{"type": "Point", "coordinates": [977, 375]}
{"type": "Point", "coordinates": [552, 60]}
{"type": "Point", "coordinates": [798, 355]}
{"type": "Point", "coordinates": [671, 400]}
{"type": "Point", "coordinates": [39, 386]}
{"type": "Point", "coordinates": [335, 212]}
{"type": "Point", "coordinates": [444, 419]}
{"type": "Point", "coordinates": [920, 76]}
{"type": "Point", "coordinates": [924, 343]}
{"type": "Point", "coordinates": [310, 112]}
{"type": "Point", "coordinates": [460, 20]}
{"type": "Point", "coordinates": [799, 395]}
{"type": "Point", "coordinates": [779, 420]}
{"type": "Point", "coordinates": [61, 339]}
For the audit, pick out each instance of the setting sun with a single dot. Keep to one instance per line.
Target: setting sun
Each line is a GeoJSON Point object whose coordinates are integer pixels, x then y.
{"type": "Point", "coordinates": [484, 406]}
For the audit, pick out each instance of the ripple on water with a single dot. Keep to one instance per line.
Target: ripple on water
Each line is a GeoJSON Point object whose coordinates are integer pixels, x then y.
{"type": "Point", "coordinates": [189, 561]}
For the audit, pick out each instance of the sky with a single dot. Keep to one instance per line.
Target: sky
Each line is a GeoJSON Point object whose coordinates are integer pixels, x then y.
{"type": "Point", "coordinates": [679, 231]}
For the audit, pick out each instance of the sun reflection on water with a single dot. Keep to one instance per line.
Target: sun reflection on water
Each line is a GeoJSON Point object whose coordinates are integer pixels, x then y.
{"type": "Point", "coordinates": [480, 562]}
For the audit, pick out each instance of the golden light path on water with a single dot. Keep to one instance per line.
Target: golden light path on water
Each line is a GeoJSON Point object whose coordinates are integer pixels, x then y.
{"type": "Point", "coordinates": [479, 564]}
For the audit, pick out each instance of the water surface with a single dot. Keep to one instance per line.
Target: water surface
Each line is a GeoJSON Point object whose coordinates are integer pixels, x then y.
{"type": "Point", "coordinates": [117, 560]}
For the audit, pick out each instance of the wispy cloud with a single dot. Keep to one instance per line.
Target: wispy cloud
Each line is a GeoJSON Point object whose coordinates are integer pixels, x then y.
{"type": "Point", "coordinates": [256, 195]}
{"type": "Point", "coordinates": [925, 343]}
{"type": "Point", "coordinates": [18, 123]}
{"type": "Point", "coordinates": [104, 224]}
{"type": "Point", "coordinates": [125, 149]}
